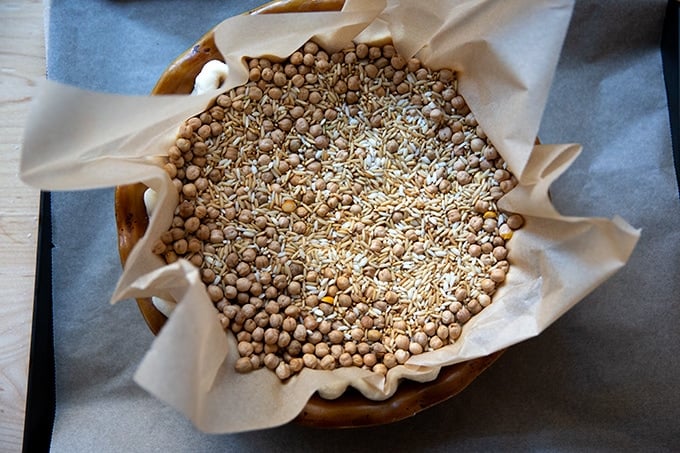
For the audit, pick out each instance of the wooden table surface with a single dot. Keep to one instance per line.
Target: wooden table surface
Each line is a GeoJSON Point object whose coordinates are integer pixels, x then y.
{"type": "Point", "coordinates": [22, 63]}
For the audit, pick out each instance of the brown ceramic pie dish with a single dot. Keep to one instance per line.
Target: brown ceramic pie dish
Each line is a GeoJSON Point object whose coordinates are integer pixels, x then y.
{"type": "Point", "coordinates": [351, 409]}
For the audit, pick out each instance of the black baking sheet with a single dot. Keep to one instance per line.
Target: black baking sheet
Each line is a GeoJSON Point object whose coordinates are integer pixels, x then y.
{"type": "Point", "coordinates": [40, 398]}
{"type": "Point", "coordinates": [670, 52]}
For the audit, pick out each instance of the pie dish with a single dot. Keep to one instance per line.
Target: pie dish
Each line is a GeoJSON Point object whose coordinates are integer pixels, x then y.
{"type": "Point", "coordinates": [351, 409]}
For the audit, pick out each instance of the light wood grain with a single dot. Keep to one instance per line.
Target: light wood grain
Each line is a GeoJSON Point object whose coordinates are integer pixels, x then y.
{"type": "Point", "coordinates": [22, 62]}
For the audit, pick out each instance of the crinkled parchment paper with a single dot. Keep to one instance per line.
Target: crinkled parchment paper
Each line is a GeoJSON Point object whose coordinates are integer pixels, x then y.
{"type": "Point", "coordinates": [505, 54]}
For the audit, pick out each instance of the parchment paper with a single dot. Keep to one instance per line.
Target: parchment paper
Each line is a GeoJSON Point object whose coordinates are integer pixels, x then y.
{"type": "Point", "coordinates": [557, 260]}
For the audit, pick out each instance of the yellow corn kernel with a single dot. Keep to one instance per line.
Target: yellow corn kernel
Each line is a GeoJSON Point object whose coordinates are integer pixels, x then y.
{"type": "Point", "coordinates": [506, 235]}
{"type": "Point", "coordinates": [288, 206]}
{"type": "Point", "coordinates": [490, 215]}
{"type": "Point", "coordinates": [327, 299]}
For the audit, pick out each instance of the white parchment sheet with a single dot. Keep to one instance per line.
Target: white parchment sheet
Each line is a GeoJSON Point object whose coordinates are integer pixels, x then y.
{"type": "Point", "coordinates": [582, 237]}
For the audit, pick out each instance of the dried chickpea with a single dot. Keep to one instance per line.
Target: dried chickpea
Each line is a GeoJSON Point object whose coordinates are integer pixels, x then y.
{"type": "Point", "coordinates": [497, 275]}
{"type": "Point", "coordinates": [283, 371]}
{"type": "Point", "coordinates": [243, 365]}
{"type": "Point", "coordinates": [515, 221]}
{"type": "Point", "coordinates": [402, 342]}
{"type": "Point", "coordinates": [415, 348]}
{"type": "Point", "coordinates": [215, 293]}
{"type": "Point", "coordinates": [310, 361]}
{"type": "Point", "coordinates": [345, 359]}
{"type": "Point", "coordinates": [327, 363]}
{"type": "Point", "coordinates": [370, 359]}
{"type": "Point", "coordinates": [342, 283]}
